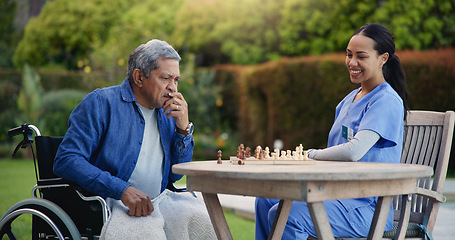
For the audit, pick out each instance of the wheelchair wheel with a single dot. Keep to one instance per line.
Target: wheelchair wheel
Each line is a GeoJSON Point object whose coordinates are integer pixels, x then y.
{"type": "Point", "coordinates": [61, 224]}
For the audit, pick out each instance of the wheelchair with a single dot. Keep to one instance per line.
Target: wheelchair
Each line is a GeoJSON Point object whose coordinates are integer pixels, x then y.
{"type": "Point", "coordinates": [60, 209]}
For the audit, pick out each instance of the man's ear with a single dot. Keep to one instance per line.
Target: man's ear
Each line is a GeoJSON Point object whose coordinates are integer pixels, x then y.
{"type": "Point", "coordinates": [137, 77]}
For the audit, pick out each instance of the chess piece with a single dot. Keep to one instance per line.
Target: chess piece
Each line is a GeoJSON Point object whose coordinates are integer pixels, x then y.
{"type": "Point", "coordinates": [277, 153]}
{"type": "Point", "coordinates": [219, 157]}
{"type": "Point", "coordinates": [247, 152]}
{"type": "Point", "coordinates": [240, 150]}
{"type": "Point", "coordinates": [288, 154]}
{"type": "Point", "coordinates": [257, 152]}
{"type": "Point", "coordinates": [266, 153]}
{"type": "Point", "coordinates": [273, 155]}
{"type": "Point", "coordinates": [283, 155]}
{"type": "Point", "coordinates": [241, 154]}
{"type": "Point", "coordinates": [262, 155]}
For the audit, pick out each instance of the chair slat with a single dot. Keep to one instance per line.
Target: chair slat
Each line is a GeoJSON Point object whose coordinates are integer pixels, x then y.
{"type": "Point", "coordinates": [411, 150]}
{"type": "Point", "coordinates": [406, 143]}
{"type": "Point", "coordinates": [437, 144]}
{"type": "Point", "coordinates": [424, 145]}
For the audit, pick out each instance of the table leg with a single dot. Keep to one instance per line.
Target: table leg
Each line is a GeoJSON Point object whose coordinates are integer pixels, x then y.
{"type": "Point", "coordinates": [380, 217]}
{"type": "Point", "coordinates": [281, 217]}
{"type": "Point", "coordinates": [217, 216]}
{"type": "Point", "coordinates": [320, 221]}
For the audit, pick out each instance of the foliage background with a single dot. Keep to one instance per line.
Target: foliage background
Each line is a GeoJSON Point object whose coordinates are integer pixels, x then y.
{"type": "Point", "coordinates": [253, 70]}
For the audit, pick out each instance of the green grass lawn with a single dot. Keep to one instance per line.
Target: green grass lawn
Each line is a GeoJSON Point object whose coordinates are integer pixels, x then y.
{"type": "Point", "coordinates": [17, 178]}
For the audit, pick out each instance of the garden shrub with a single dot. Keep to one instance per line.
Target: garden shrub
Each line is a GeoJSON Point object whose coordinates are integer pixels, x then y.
{"type": "Point", "coordinates": [294, 99]}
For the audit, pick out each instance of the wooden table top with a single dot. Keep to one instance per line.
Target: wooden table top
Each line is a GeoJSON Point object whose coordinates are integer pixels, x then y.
{"type": "Point", "coordinates": [321, 170]}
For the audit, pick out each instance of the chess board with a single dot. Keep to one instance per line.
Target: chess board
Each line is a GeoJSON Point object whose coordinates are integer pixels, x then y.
{"type": "Point", "coordinates": [254, 161]}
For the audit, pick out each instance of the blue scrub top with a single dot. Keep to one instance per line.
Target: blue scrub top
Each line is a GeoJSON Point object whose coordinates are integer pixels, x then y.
{"type": "Point", "coordinates": [380, 111]}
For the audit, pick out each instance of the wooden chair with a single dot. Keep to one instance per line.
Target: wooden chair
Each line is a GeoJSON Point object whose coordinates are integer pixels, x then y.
{"type": "Point", "coordinates": [427, 141]}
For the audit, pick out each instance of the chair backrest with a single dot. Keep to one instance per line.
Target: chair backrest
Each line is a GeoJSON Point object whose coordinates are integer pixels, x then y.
{"type": "Point", "coordinates": [86, 213]}
{"type": "Point", "coordinates": [427, 141]}
{"type": "Point", "coordinates": [46, 148]}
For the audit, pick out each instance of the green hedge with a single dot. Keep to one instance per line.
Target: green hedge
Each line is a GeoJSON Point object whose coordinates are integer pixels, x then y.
{"type": "Point", "coordinates": [294, 99]}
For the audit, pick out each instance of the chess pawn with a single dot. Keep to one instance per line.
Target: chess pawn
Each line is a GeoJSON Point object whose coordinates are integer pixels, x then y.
{"type": "Point", "coordinates": [283, 155]}
{"type": "Point", "coordinates": [239, 151]}
{"type": "Point", "coordinates": [266, 153]}
{"type": "Point", "coordinates": [241, 154]}
{"type": "Point", "coordinates": [247, 152]}
{"type": "Point", "coordinates": [277, 153]}
{"type": "Point", "coordinates": [288, 154]}
{"type": "Point", "coordinates": [219, 157]}
{"type": "Point", "coordinates": [294, 155]}
{"type": "Point", "coordinates": [273, 155]}
{"type": "Point", "coordinates": [262, 154]}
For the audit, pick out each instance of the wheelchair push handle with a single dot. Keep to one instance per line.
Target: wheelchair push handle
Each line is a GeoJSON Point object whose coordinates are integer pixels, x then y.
{"type": "Point", "coordinates": [16, 131]}
{"type": "Point", "coordinates": [24, 129]}
{"type": "Point", "coordinates": [27, 130]}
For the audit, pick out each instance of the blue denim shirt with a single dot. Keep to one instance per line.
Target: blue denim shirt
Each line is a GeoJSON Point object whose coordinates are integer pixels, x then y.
{"type": "Point", "coordinates": [104, 138]}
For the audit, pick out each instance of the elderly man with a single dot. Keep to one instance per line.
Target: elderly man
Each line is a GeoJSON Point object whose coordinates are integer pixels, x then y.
{"type": "Point", "coordinates": [123, 140]}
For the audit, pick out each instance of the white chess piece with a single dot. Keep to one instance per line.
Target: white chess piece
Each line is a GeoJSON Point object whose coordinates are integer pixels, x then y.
{"type": "Point", "coordinates": [257, 152]}
{"type": "Point", "coordinates": [288, 154]}
{"type": "Point", "coordinates": [267, 152]}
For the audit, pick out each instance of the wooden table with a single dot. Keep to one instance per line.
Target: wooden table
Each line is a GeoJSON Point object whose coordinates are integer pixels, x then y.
{"type": "Point", "coordinates": [324, 180]}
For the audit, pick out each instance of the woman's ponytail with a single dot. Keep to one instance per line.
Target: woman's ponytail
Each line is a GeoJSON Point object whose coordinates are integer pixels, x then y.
{"type": "Point", "coordinates": [395, 76]}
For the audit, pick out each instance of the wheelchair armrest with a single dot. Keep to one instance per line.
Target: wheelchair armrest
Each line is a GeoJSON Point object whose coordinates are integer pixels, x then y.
{"type": "Point", "coordinates": [61, 182]}
{"type": "Point", "coordinates": [53, 181]}
{"type": "Point", "coordinates": [172, 187]}
{"type": "Point", "coordinates": [83, 194]}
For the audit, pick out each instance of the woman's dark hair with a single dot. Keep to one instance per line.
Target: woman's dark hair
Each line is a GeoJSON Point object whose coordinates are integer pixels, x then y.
{"type": "Point", "coordinates": [392, 69]}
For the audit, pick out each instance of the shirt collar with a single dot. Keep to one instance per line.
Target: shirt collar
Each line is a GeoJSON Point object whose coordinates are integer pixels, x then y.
{"type": "Point", "coordinates": [127, 92]}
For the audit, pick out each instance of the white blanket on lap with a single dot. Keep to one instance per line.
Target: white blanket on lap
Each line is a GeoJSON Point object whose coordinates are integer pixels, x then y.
{"type": "Point", "coordinates": [175, 216]}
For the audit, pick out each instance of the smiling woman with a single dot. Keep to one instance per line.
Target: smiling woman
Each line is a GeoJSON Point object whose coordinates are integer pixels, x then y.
{"type": "Point", "coordinates": [368, 127]}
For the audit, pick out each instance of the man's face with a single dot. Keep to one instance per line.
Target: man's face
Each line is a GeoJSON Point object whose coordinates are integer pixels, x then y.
{"type": "Point", "coordinates": [162, 81]}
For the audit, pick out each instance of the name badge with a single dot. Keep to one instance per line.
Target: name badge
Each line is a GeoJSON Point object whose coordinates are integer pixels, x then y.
{"type": "Point", "coordinates": [347, 132]}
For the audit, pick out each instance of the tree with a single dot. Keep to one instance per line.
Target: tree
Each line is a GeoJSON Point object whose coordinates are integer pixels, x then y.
{"type": "Point", "coordinates": [139, 24]}
{"type": "Point", "coordinates": [8, 32]}
{"type": "Point", "coordinates": [101, 33]}
{"type": "Point", "coordinates": [419, 24]}
{"type": "Point", "coordinates": [245, 31]}
{"type": "Point", "coordinates": [66, 31]}
{"type": "Point", "coordinates": [321, 26]}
